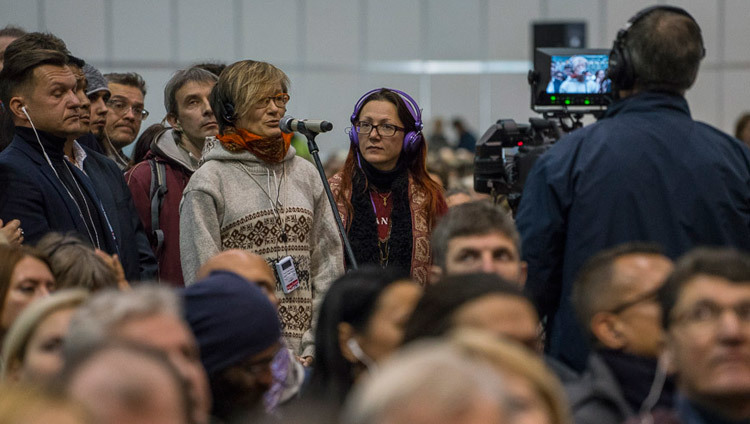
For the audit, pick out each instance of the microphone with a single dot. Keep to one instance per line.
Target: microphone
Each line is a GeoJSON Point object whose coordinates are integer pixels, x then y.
{"type": "Point", "coordinates": [289, 124]}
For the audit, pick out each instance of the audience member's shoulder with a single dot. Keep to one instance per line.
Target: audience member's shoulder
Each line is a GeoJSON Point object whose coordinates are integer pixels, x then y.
{"type": "Point", "coordinates": [210, 176]}
{"type": "Point", "coordinates": [101, 160]}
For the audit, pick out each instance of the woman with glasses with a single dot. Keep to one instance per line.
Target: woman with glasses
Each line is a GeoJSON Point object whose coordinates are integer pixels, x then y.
{"type": "Point", "coordinates": [253, 193]}
{"type": "Point", "coordinates": [388, 202]}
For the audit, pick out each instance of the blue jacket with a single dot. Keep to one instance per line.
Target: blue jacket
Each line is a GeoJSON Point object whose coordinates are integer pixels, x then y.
{"type": "Point", "coordinates": [31, 192]}
{"type": "Point", "coordinates": [646, 171]}
{"type": "Point", "coordinates": [137, 258]}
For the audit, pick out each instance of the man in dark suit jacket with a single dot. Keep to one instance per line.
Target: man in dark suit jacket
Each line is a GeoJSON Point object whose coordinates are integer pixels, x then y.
{"type": "Point", "coordinates": [39, 186]}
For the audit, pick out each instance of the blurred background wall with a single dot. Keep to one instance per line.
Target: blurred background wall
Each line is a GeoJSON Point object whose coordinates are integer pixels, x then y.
{"type": "Point", "coordinates": [464, 58]}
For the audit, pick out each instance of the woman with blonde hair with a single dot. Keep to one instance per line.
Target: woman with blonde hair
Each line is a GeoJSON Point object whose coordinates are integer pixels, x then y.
{"type": "Point", "coordinates": [24, 277]}
{"type": "Point", "coordinates": [32, 351]}
{"type": "Point", "coordinates": [253, 193]}
{"type": "Point", "coordinates": [536, 391]}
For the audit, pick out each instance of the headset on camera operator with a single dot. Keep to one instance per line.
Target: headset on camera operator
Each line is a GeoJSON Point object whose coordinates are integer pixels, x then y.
{"type": "Point", "coordinates": [645, 171]}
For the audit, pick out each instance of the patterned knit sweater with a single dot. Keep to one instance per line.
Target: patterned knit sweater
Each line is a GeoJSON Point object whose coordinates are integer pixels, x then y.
{"type": "Point", "coordinates": [228, 205]}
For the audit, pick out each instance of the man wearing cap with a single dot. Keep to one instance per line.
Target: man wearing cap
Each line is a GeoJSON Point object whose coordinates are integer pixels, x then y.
{"type": "Point", "coordinates": [98, 93]}
{"type": "Point", "coordinates": [238, 332]}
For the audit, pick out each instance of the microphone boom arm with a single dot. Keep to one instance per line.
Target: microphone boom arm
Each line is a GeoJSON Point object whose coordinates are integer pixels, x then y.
{"type": "Point", "coordinates": [314, 151]}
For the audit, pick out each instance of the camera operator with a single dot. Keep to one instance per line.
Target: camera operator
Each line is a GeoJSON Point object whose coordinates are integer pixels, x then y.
{"type": "Point", "coordinates": [646, 171]}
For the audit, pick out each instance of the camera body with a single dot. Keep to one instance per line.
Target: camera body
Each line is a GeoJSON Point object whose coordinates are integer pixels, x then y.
{"type": "Point", "coordinates": [565, 84]}
{"type": "Point", "coordinates": [507, 151]}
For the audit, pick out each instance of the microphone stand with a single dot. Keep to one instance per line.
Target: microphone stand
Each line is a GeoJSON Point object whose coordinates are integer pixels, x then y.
{"type": "Point", "coordinates": [312, 146]}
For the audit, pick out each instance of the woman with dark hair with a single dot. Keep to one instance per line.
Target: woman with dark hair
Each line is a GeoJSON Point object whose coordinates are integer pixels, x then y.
{"type": "Point", "coordinates": [24, 277]}
{"type": "Point", "coordinates": [387, 200]}
{"type": "Point", "coordinates": [360, 324]}
{"type": "Point", "coordinates": [253, 193]}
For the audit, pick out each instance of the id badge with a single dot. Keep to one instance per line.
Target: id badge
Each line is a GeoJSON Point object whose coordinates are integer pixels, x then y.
{"type": "Point", "coordinates": [287, 274]}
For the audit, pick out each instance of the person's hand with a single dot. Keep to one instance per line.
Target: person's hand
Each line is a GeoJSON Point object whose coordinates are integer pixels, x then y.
{"type": "Point", "coordinates": [113, 261]}
{"type": "Point", "coordinates": [306, 361]}
{"type": "Point", "coordinates": [12, 231]}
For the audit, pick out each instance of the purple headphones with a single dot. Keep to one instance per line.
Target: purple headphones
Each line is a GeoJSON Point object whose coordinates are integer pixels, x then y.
{"type": "Point", "coordinates": [412, 139]}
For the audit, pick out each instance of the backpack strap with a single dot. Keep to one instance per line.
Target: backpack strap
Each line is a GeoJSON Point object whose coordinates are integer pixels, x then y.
{"type": "Point", "coordinates": [157, 191]}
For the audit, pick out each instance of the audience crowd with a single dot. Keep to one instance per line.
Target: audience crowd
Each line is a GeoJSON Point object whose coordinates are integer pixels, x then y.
{"type": "Point", "coordinates": [205, 279]}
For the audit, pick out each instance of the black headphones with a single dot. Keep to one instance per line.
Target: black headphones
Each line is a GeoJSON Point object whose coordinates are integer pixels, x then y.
{"type": "Point", "coordinates": [620, 69]}
{"type": "Point", "coordinates": [229, 113]}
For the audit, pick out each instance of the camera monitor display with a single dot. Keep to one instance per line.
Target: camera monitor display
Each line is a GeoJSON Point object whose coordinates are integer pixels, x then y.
{"type": "Point", "coordinates": [571, 79]}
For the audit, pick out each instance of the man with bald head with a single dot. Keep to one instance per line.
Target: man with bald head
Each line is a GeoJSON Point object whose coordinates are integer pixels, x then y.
{"type": "Point", "coordinates": [615, 297]}
{"type": "Point", "coordinates": [247, 265]}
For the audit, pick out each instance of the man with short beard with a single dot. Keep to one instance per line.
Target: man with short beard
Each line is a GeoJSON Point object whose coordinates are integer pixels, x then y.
{"type": "Point", "coordinates": [134, 252]}
{"type": "Point", "coordinates": [125, 114]}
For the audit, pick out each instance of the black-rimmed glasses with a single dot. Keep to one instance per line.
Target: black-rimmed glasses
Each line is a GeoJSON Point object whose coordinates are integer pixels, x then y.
{"type": "Point", "coordinates": [121, 108]}
{"type": "Point", "coordinates": [385, 130]}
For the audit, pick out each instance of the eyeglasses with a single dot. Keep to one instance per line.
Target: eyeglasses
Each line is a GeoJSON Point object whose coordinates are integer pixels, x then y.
{"type": "Point", "coordinates": [280, 100]}
{"type": "Point", "coordinates": [121, 108]}
{"type": "Point", "coordinates": [707, 313]}
{"type": "Point", "coordinates": [385, 130]}
{"type": "Point", "coordinates": [645, 297]}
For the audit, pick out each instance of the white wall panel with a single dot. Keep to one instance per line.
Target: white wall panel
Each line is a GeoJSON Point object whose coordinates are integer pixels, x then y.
{"type": "Point", "coordinates": [706, 13]}
{"type": "Point", "coordinates": [271, 30]}
{"type": "Point", "coordinates": [393, 29]}
{"type": "Point", "coordinates": [85, 38]}
{"type": "Point", "coordinates": [509, 29]}
{"type": "Point", "coordinates": [206, 30]}
{"type": "Point", "coordinates": [454, 30]}
{"type": "Point", "coordinates": [581, 10]}
{"type": "Point", "coordinates": [330, 97]}
{"type": "Point", "coordinates": [141, 30]}
{"type": "Point", "coordinates": [618, 13]}
{"type": "Point", "coordinates": [735, 99]}
{"type": "Point", "coordinates": [23, 13]}
{"type": "Point", "coordinates": [510, 99]}
{"type": "Point", "coordinates": [456, 96]}
{"type": "Point", "coordinates": [704, 97]}
{"type": "Point", "coordinates": [333, 31]}
{"type": "Point", "coordinates": [737, 31]}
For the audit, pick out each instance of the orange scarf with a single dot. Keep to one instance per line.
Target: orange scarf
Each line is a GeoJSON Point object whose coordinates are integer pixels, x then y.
{"type": "Point", "coordinates": [272, 150]}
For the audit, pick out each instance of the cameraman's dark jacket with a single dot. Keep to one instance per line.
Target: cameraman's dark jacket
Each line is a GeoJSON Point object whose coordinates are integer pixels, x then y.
{"type": "Point", "coordinates": [646, 171]}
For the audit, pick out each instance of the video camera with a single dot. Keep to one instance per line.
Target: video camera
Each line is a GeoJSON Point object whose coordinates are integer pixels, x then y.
{"type": "Point", "coordinates": [565, 84]}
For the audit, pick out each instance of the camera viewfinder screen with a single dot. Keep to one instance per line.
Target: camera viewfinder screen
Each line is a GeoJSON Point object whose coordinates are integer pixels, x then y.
{"type": "Point", "coordinates": [579, 74]}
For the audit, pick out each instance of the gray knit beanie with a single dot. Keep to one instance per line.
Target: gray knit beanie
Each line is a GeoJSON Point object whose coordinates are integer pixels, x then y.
{"type": "Point", "coordinates": [95, 79]}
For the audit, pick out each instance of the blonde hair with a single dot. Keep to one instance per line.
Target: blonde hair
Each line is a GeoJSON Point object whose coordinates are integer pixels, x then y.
{"type": "Point", "coordinates": [24, 404]}
{"type": "Point", "coordinates": [17, 338]}
{"type": "Point", "coordinates": [514, 358]}
{"type": "Point", "coordinates": [242, 84]}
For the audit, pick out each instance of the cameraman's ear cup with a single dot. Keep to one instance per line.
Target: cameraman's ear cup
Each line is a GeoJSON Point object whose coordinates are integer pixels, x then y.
{"type": "Point", "coordinates": [621, 70]}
